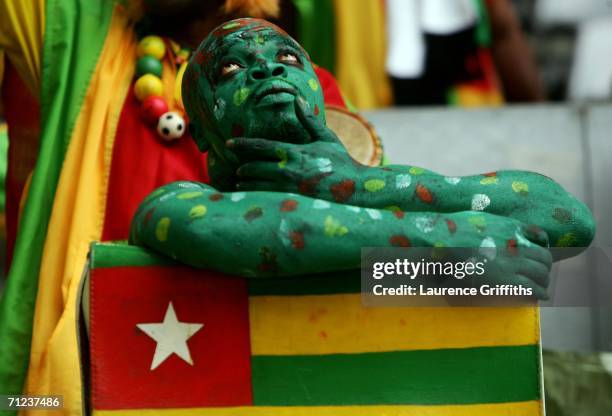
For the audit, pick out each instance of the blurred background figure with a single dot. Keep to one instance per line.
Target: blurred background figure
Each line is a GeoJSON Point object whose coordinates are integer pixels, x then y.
{"type": "Point", "coordinates": [461, 52]}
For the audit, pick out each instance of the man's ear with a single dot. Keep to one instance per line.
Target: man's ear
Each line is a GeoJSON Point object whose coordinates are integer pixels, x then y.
{"type": "Point", "coordinates": [198, 136]}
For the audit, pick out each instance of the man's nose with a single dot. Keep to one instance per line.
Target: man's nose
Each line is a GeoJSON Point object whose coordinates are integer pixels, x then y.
{"type": "Point", "coordinates": [266, 70]}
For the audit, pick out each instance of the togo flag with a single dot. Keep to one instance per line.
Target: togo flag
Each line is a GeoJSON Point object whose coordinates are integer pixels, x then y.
{"type": "Point", "coordinates": [168, 339]}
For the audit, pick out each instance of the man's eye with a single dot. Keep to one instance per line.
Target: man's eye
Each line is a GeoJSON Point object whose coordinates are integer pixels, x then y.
{"type": "Point", "coordinates": [230, 68]}
{"type": "Point", "coordinates": [288, 58]}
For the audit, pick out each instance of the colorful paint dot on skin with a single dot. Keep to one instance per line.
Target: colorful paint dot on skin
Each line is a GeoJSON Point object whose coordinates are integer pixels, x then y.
{"type": "Point", "coordinates": [424, 194]}
{"type": "Point", "coordinates": [297, 239]}
{"type": "Point", "coordinates": [512, 247]}
{"type": "Point", "coordinates": [416, 171]}
{"type": "Point", "coordinates": [156, 193]}
{"type": "Point", "coordinates": [237, 196]}
{"type": "Point", "coordinates": [343, 191]}
{"type": "Point", "coordinates": [219, 108]}
{"type": "Point", "coordinates": [333, 227]}
{"type": "Point", "coordinates": [189, 195]}
{"type": "Point", "coordinates": [374, 213]}
{"type": "Point", "coordinates": [374, 185]}
{"type": "Point", "coordinates": [520, 187]}
{"type": "Point", "coordinates": [216, 197]}
{"type": "Point", "coordinates": [403, 181]}
{"type": "Point", "coordinates": [316, 110]}
{"type": "Point", "coordinates": [562, 216]}
{"type": "Point", "coordinates": [452, 180]}
{"type": "Point", "coordinates": [488, 248]}
{"type": "Point", "coordinates": [324, 164]}
{"type": "Point", "coordinates": [489, 180]}
{"type": "Point", "coordinates": [314, 85]}
{"type": "Point", "coordinates": [231, 25]}
{"type": "Point", "coordinates": [259, 39]}
{"type": "Point", "coordinates": [567, 240]}
{"type": "Point", "coordinates": [288, 205]}
{"type": "Point", "coordinates": [161, 230]}
{"type": "Point", "coordinates": [399, 241]}
{"type": "Point", "coordinates": [478, 222]}
{"type": "Point", "coordinates": [321, 204]}
{"type": "Point", "coordinates": [354, 209]}
{"type": "Point", "coordinates": [480, 202]}
{"type": "Point", "coordinates": [452, 226]}
{"type": "Point", "coordinates": [253, 213]}
{"type": "Point", "coordinates": [240, 96]}
{"type": "Point", "coordinates": [283, 156]}
{"type": "Point", "coordinates": [197, 212]}
{"type": "Point", "coordinates": [425, 224]}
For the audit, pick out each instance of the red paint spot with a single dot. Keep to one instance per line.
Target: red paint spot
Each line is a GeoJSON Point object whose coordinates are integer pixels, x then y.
{"type": "Point", "coordinates": [343, 191]}
{"type": "Point", "coordinates": [309, 186]}
{"type": "Point", "coordinates": [512, 247]}
{"type": "Point", "coordinates": [424, 194]}
{"type": "Point", "coordinates": [452, 226]}
{"type": "Point", "coordinates": [399, 214]}
{"type": "Point", "coordinates": [490, 174]}
{"type": "Point", "coordinates": [323, 334]}
{"type": "Point", "coordinates": [216, 197]}
{"type": "Point", "coordinates": [399, 241]}
{"type": "Point", "coordinates": [316, 110]}
{"type": "Point", "coordinates": [313, 317]}
{"type": "Point", "coordinates": [288, 205]}
{"type": "Point", "coordinates": [148, 216]}
{"type": "Point", "coordinates": [297, 239]}
{"type": "Point", "coordinates": [402, 322]}
{"type": "Point", "coordinates": [237, 130]}
{"type": "Point", "coordinates": [253, 214]}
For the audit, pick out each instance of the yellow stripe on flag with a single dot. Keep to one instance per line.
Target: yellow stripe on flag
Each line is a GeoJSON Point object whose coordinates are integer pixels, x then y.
{"type": "Point", "coordinates": [77, 219]}
{"type": "Point", "coordinates": [531, 408]}
{"type": "Point", "coordinates": [330, 324]}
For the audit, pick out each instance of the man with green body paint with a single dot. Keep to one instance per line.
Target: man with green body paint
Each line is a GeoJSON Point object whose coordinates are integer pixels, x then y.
{"type": "Point", "coordinates": [287, 199]}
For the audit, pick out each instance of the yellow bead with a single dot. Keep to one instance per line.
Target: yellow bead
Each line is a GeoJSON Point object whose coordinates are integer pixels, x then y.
{"type": "Point", "coordinates": [152, 46]}
{"type": "Point", "coordinates": [148, 85]}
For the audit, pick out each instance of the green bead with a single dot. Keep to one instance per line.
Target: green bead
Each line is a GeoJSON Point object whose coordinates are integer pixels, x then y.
{"type": "Point", "coordinates": [148, 65]}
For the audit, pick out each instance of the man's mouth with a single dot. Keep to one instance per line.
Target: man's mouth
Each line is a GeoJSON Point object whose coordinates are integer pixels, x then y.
{"type": "Point", "coordinates": [274, 94]}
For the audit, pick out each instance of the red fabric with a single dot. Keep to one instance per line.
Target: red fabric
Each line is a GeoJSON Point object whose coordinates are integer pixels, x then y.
{"type": "Point", "coordinates": [122, 353]}
{"type": "Point", "coordinates": [142, 162]}
{"type": "Point", "coordinates": [331, 91]}
{"type": "Point", "coordinates": [22, 114]}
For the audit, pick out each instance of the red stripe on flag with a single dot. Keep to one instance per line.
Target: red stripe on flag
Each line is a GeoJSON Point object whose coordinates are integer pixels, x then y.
{"type": "Point", "coordinates": [122, 353]}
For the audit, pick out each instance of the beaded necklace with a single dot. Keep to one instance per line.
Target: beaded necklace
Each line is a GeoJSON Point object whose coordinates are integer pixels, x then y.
{"type": "Point", "coordinates": [149, 89]}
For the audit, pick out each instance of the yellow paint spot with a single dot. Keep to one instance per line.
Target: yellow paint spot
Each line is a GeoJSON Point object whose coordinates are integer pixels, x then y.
{"type": "Point", "coordinates": [567, 240]}
{"type": "Point", "coordinates": [520, 187]}
{"type": "Point", "coordinates": [197, 212]}
{"type": "Point", "coordinates": [374, 185]}
{"type": "Point", "coordinates": [189, 195]}
{"type": "Point", "coordinates": [161, 231]}
{"type": "Point", "coordinates": [282, 155]}
{"type": "Point", "coordinates": [491, 180]}
{"type": "Point", "coordinates": [416, 171]}
{"type": "Point", "coordinates": [314, 85]}
{"type": "Point", "coordinates": [393, 208]}
{"type": "Point", "coordinates": [478, 221]}
{"type": "Point", "coordinates": [241, 95]}
{"type": "Point", "coordinates": [231, 25]}
{"type": "Point", "coordinates": [333, 228]}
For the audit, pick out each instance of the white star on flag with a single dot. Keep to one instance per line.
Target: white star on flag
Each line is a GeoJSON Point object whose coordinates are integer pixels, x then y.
{"type": "Point", "coordinates": [171, 337]}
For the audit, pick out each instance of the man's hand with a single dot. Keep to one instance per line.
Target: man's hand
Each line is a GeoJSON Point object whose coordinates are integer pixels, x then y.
{"type": "Point", "coordinates": [322, 168]}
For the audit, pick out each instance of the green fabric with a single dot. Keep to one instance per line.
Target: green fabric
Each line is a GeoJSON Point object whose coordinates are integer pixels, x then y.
{"type": "Point", "coordinates": [74, 35]}
{"type": "Point", "coordinates": [483, 29]}
{"type": "Point", "coordinates": [459, 376]}
{"type": "Point", "coordinates": [316, 31]}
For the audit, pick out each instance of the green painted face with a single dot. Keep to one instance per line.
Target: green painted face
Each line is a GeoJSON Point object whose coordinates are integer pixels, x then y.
{"type": "Point", "coordinates": [243, 81]}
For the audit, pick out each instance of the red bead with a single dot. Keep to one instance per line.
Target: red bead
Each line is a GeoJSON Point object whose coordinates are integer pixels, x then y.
{"type": "Point", "coordinates": [152, 109]}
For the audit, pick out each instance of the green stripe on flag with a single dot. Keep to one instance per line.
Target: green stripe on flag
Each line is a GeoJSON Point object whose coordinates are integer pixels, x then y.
{"type": "Point", "coordinates": [74, 36]}
{"type": "Point", "coordinates": [425, 377]}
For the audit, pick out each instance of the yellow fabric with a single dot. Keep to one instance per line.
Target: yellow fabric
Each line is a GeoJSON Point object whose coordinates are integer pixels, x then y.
{"type": "Point", "coordinates": [339, 324]}
{"type": "Point", "coordinates": [77, 219]}
{"type": "Point", "coordinates": [467, 96]}
{"type": "Point", "coordinates": [22, 26]}
{"type": "Point", "coordinates": [531, 408]}
{"type": "Point", "coordinates": [361, 53]}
